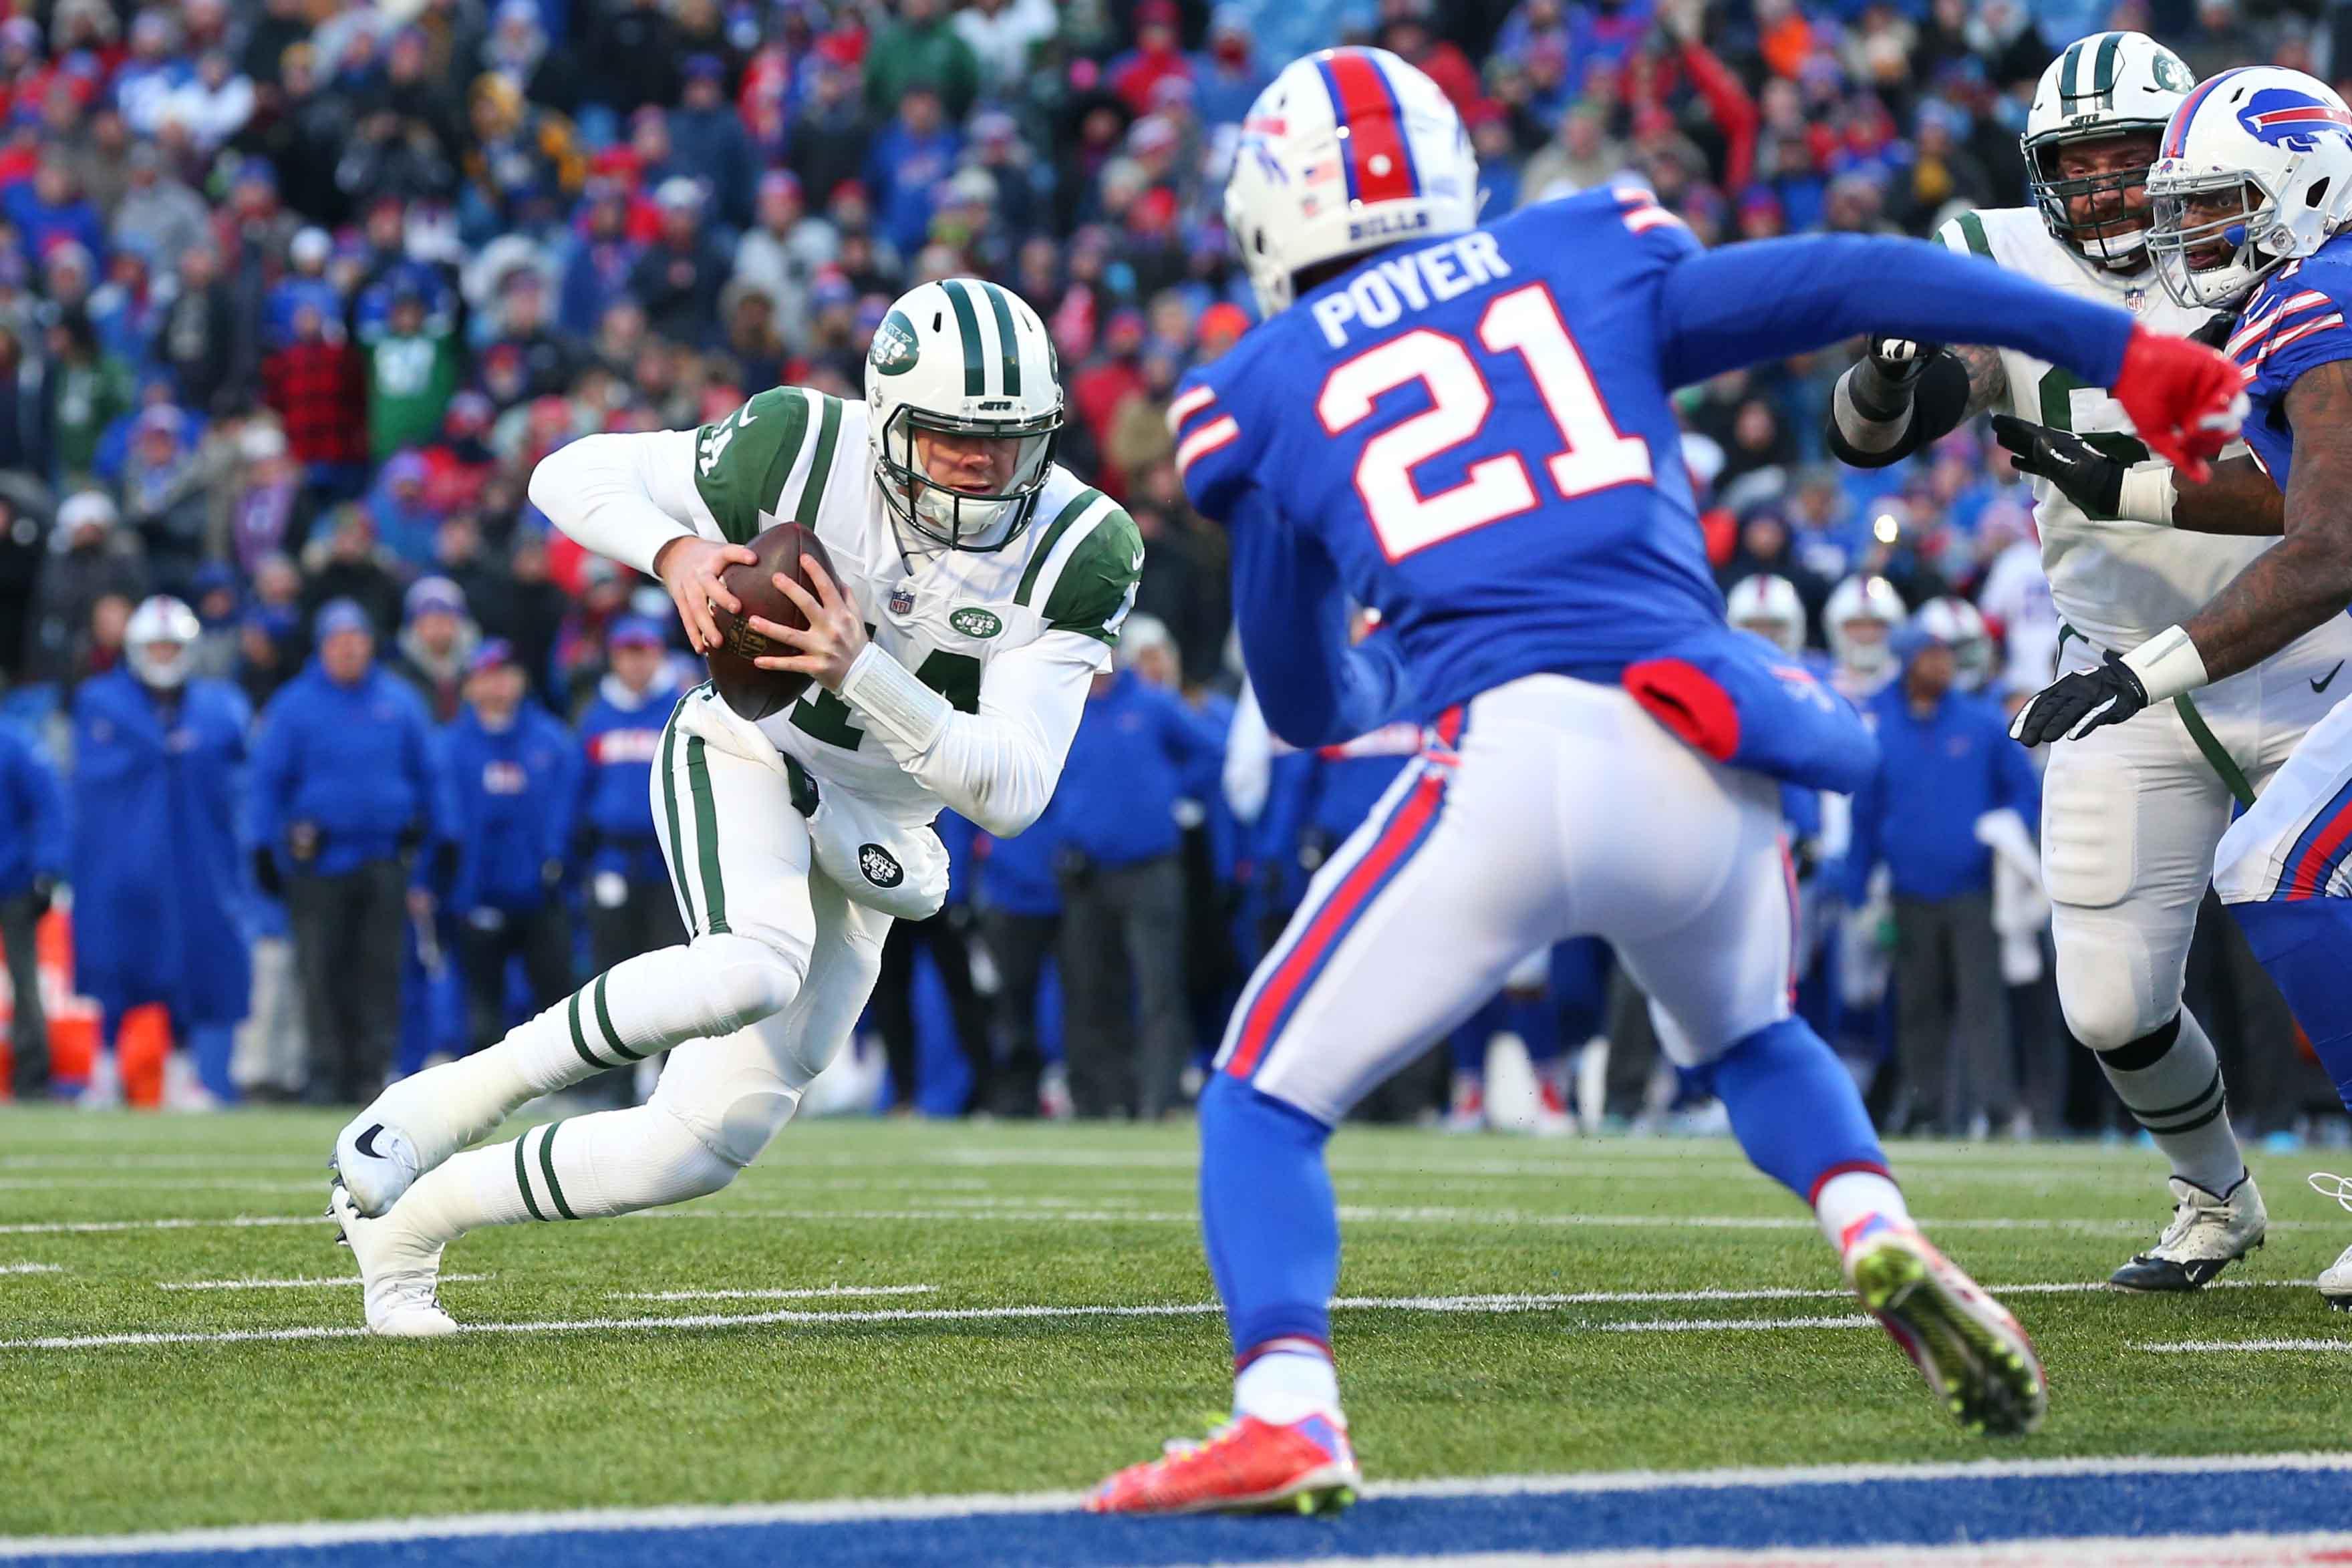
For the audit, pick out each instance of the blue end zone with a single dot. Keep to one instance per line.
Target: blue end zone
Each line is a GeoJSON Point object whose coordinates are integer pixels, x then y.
{"type": "Point", "coordinates": [1938, 1510]}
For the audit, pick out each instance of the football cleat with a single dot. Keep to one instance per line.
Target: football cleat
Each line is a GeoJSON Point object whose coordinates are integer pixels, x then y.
{"type": "Point", "coordinates": [1246, 1466]}
{"type": "Point", "coordinates": [1467, 1112]}
{"type": "Point", "coordinates": [1553, 1118]}
{"type": "Point", "coordinates": [375, 1163]}
{"type": "Point", "coordinates": [2335, 1282]}
{"type": "Point", "coordinates": [397, 1273]}
{"type": "Point", "coordinates": [2206, 1236]}
{"type": "Point", "coordinates": [1977, 1362]}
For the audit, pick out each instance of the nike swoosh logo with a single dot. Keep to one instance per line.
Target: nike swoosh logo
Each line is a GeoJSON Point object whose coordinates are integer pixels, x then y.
{"type": "Point", "coordinates": [2328, 680]}
{"type": "Point", "coordinates": [366, 1143]}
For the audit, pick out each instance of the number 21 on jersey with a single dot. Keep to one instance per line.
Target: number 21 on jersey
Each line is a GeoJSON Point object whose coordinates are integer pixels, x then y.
{"type": "Point", "coordinates": [1595, 454]}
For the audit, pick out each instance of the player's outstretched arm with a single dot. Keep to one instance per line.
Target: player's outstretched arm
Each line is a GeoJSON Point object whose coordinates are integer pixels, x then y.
{"type": "Point", "coordinates": [2238, 498]}
{"type": "Point", "coordinates": [1720, 309]}
{"type": "Point", "coordinates": [2284, 592]}
{"type": "Point", "coordinates": [1900, 396]}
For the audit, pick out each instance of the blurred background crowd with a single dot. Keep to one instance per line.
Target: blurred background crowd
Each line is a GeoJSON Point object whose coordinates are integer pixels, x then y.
{"type": "Point", "coordinates": [294, 294]}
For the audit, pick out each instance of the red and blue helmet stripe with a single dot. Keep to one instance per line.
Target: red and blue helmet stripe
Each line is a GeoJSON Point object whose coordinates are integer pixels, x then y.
{"type": "Point", "coordinates": [2179, 138]}
{"type": "Point", "coordinates": [1375, 151]}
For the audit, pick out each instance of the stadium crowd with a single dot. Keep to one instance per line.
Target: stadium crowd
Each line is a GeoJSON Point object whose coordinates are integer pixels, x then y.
{"type": "Point", "coordinates": [295, 293]}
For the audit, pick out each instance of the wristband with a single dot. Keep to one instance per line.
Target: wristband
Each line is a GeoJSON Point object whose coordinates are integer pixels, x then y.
{"type": "Point", "coordinates": [2148, 495]}
{"type": "Point", "coordinates": [887, 694]}
{"type": "Point", "coordinates": [2167, 665]}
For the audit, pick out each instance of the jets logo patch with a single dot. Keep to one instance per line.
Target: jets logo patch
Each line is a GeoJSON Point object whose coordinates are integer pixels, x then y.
{"type": "Point", "coordinates": [893, 352]}
{"type": "Point", "coordinates": [974, 622]}
{"type": "Point", "coordinates": [879, 866]}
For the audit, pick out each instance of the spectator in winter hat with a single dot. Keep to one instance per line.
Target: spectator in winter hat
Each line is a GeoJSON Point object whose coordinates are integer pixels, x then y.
{"type": "Point", "coordinates": [437, 641]}
{"type": "Point", "coordinates": [913, 154]}
{"type": "Point", "coordinates": [679, 278]}
{"type": "Point", "coordinates": [921, 51]}
{"type": "Point", "coordinates": [709, 139]}
{"type": "Point", "coordinates": [1227, 77]}
{"type": "Point", "coordinates": [51, 207]}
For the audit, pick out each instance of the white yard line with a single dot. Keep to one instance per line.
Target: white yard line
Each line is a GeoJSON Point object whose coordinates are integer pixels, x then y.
{"type": "Point", "coordinates": [1733, 1325]}
{"type": "Point", "coordinates": [779, 1295]}
{"type": "Point", "coordinates": [301, 1283]}
{"type": "Point", "coordinates": [31, 1268]}
{"type": "Point", "coordinates": [2226, 1346]}
{"type": "Point", "coordinates": [865, 1510]}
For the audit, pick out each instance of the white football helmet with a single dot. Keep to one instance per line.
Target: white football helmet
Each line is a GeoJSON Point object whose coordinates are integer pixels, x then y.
{"type": "Point", "coordinates": [2255, 170]}
{"type": "Point", "coordinates": [1955, 624]}
{"type": "Point", "coordinates": [1769, 607]}
{"type": "Point", "coordinates": [1346, 150]}
{"type": "Point", "coordinates": [2105, 85]}
{"type": "Point", "coordinates": [1857, 604]}
{"type": "Point", "coordinates": [161, 622]}
{"type": "Point", "coordinates": [961, 357]}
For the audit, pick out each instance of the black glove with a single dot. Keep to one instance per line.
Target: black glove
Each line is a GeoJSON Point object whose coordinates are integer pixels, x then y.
{"type": "Point", "coordinates": [2216, 333]}
{"type": "Point", "coordinates": [1884, 388]}
{"type": "Point", "coordinates": [2072, 705]}
{"type": "Point", "coordinates": [264, 873]}
{"type": "Point", "coordinates": [2088, 476]}
{"type": "Point", "coordinates": [45, 893]}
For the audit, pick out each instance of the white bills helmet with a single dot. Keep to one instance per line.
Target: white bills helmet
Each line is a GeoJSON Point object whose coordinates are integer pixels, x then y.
{"type": "Point", "coordinates": [1346, 150]}
{"type": "Point", "coordinates": [1857, 603]}
{"type": "Point", "coordinates": [2108, 84]}
{"type": "Point", "coordinates": [960, 357]}
{"type": "Point", "coordinates": [157, 641]}
{"type": "Point", "coordinates": [2255, 170]}
{"type": "Point", "coordinates": [1956, 624]}
{"type": "Point", "coordinates": [1769, 607]}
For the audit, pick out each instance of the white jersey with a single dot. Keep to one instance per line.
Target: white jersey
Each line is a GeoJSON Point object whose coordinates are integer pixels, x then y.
{"type": "Point", "coordinates": [1009, 638]}
{"type": "Point", "coordinates": [2116, 583]}
{"type": "Point", "coordinates": [795, 454]}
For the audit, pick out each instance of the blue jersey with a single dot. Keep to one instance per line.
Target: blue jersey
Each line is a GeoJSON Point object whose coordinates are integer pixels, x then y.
{"type": "Point", "coordinates": [2293, 323]}
{"type": "Point", "coordinates": [1473, 437]}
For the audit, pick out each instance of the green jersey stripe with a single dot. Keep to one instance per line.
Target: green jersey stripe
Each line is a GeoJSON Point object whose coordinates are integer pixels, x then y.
{"type": "Point", "coordinates": [975, 380]}
{"type": "Point", "coordinates": [579, 1036]}
{"type": "Point", "coordinates": [1049, 537]}
{"type": "Point", "coordinates": [547, 1167]}
{"type": "Point", "coordinates": [604, 1023]}
{"type": "Point", "coordinates": [669, 806]}
{"type": "Point", "coordinates": [522, 1180]}
{"type": "Point", "coordinates": [1008, 345]}
{"type": "Point", "coordinates": [705, 839]}
{"type": "Point", "coordinates": [2067, 71]}
{"type": "Point", "coordinates": [1972, 230]}
{"type": "Point", "coordinates": [828, 436]}
{"type": "Point", "coordinates": [2103, 68]}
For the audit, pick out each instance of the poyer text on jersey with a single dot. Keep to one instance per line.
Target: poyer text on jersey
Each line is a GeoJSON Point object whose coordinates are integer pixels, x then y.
{"type": "Point", "coordinates": [1416, 280]}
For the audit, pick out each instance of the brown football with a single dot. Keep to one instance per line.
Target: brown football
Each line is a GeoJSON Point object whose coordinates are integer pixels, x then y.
{"type": "Point", "coordinates": [755, 692]}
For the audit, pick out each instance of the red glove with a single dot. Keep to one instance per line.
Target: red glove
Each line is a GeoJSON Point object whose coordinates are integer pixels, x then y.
{"type": "Point", "coordinates": [2186, 401]}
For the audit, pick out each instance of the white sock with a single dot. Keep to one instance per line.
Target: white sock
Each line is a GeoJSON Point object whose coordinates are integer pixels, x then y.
{"type": "Point", "coordinates": [1285, 1385]}
{"type": "Point", "coordinates": [2173, 1088]}
{"type": "Point", "coordinates": [606, 1162]}
{"type": "Point", "coordinates": [710, 987]}
{"type": "Point", "coordinates": [1850, 1195]}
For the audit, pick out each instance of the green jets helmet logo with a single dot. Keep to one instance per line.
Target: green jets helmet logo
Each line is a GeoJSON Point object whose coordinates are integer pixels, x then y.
{"type": "Point", "coordinates": [974, 622]}
{"type": "Point", "coordinates": [2171, 75]}
{"type": "Point", "coordinates": [892, 354]}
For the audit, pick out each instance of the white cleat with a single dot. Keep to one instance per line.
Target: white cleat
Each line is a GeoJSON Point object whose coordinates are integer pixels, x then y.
{"type": "Point", "coordinates": [2335, 1283]}
{"type": "Point", "coordinates": [375, 1162]}
{"type": "Point", "coordinates": [397, 1273]}
{"type": "Point", "coordinates": [2207, 1234]}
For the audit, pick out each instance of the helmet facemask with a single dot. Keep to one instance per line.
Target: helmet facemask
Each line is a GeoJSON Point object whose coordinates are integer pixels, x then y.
{"type": "Point", "coordinates": [942, 513]}
{"type": "Point", "coordinates": [2202, 218]}
{"type": "Point", "coordinates": [2115, 237]}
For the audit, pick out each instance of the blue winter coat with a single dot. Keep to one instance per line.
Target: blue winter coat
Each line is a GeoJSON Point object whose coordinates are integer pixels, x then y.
{"type": "Point", "coordinates": [32, 816]}
{"type": "Point", "coordinates": [1137, 751]}
{"type": "Point", "coordinates": [1016, 875]}
{"type": "Point", "coordinates": [356, 761]}
{"type": "Point", "coordinates": [1936, 777]}
{"type": "Point", "coordinates": [512, 793]}
{"type": "Point", "coordinates": [619, 740]}
{"type": "Point", "coordinates": [159, 875]}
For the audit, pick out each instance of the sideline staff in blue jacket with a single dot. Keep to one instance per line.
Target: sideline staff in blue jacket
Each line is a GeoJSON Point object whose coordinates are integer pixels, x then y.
{"type": "Point", "coordinates": [345, 787]}
{"type": "Point", "coordinates": [514, 783]}
{"type": "Point", "coordinates": [32, 860]}
{"type": "Point", "coordinates": [632, 905]}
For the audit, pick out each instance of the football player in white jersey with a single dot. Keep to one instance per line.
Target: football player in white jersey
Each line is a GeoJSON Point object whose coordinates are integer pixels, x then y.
{"type": "Point", "coordinates": [980, 589]}
{"type": "Point", "coordinates": [2132, 814]}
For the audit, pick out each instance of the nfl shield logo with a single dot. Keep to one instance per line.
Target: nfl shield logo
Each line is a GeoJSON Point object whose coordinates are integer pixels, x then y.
{"type": "Point", "coordinates": [902, 599]}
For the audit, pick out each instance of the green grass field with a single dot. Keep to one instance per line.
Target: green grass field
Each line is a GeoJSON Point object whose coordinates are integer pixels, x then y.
{"type": "Point", "coordinates": [1442, 1378]}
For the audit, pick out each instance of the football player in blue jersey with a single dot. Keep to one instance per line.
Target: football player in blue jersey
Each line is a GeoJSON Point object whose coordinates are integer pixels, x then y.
{"type": "Point", "coordinates": [1468, 430]}
{"type": "Point", "coordinates": [2252, 195]}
